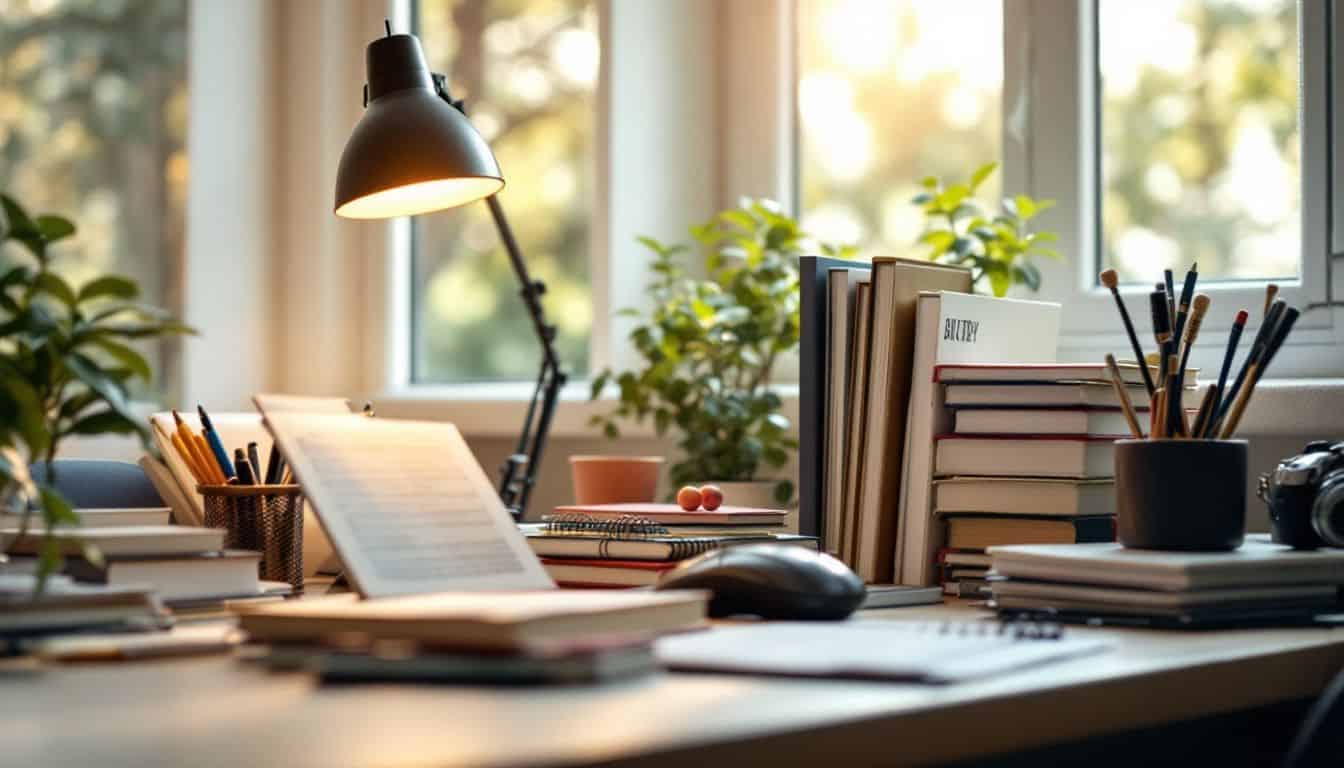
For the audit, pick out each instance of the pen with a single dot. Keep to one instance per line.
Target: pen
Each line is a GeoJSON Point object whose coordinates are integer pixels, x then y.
{"type": "Point", "coordinates": [244, 466]}
{"type": "Point", "coordinates": [1169, 285]}
{"type": "Point", "coordinates": [1161, 331]}
{"type": "Point", "coordinates": [216, 445]}
{"type": "Point", "coordinates": [1203, 425]}
{"type": "Point", "coordinates": [1112, 282]}
{"type": "Point", "coordinates": [1122, 392]}
{"type": "Point", "coordinates": [273, 465]}
{"type": "Point", "coordinates": [1187, 292]}
{"type": "Point", "coordinates": [254, 458]}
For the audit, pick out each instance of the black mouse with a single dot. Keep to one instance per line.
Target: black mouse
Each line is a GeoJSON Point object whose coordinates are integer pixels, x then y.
{"type": "Point", "coordinates": [773, 581]}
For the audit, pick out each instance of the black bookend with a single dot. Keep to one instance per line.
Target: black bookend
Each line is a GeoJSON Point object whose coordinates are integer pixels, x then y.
{"type": "Point", "coordinates": [813, 272]}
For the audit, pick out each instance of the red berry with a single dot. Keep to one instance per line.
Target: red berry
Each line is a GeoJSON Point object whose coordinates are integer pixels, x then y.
{"type": "Point", "coordinates": [711, 496]}
{"type": "Point", "coordinates": [688, 498]}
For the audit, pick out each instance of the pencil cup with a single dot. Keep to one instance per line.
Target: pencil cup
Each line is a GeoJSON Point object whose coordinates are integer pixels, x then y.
{"type": "Point", "coordinates": [1181, 494]}
{"type": "Point", "coordinates": [262, 518]}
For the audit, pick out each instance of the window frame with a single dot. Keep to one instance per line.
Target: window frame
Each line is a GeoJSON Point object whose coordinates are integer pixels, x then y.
{"type": "Point", "coordinates": [1051, 90]}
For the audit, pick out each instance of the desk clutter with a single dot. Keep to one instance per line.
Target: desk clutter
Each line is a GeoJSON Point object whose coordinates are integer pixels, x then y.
{"type": "Point", "coordinates": [633, 545]}
{"type": "Point", "coordinates": [1106, 583]}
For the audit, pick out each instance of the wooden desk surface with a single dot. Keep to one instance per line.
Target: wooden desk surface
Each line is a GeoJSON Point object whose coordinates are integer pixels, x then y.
{"type": "Point", "coordinates": [216, 711]}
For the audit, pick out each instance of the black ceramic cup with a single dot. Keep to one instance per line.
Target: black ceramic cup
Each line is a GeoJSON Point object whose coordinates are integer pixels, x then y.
{"type": "Point", "coordinates": [1181, 494]}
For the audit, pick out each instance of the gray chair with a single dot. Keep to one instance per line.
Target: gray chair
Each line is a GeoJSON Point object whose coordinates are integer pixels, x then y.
{"type": "Point", "coordinates": [101, 484]}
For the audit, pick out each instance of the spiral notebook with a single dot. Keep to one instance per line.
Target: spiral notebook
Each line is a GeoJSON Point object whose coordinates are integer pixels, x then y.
{"type": "Point", "coordinates": [628, 537]}
{"type": "Point", "coordinates": [903, 651]}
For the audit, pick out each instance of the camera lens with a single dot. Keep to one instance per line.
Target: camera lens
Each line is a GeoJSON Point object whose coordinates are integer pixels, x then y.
{"type": "Point", "coordinates": [1327, 513]}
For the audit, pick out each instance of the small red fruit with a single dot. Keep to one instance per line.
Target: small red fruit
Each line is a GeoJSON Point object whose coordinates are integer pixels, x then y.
{"type": "Point", "coordinates": [688, 498]}
{"type": "Point", "coordinates": [711, 496]}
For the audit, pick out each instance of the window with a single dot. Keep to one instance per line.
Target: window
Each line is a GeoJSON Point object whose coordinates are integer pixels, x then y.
{"type": "Point", "coordinates": [888, 93]}
{"type": "Point", "coordinates": [528, 72]}
{"type": "Point", "coordinates": [1199, 138]}
{"type": "Point", "coordinates": [93, 122]}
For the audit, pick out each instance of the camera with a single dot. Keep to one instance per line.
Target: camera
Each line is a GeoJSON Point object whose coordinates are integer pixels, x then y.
{"type": "Point", "coordinates": [1305, 495]}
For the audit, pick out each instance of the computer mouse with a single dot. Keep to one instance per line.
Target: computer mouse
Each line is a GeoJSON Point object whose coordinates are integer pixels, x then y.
{"type": "Point", "coordinates": [773, 581]}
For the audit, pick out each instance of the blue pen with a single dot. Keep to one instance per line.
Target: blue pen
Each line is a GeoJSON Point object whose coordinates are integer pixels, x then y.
{"type": "Point", "coordinates": [216, 446]}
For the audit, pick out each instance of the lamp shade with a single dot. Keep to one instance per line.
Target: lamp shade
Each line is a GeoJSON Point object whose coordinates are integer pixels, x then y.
{"type": "Point", "coordinates": [412, 152]}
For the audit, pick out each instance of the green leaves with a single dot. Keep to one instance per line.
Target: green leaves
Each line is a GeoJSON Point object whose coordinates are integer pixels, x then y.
{"type": "Point", "coordinates": [65, 360]}
{"type": "Point", "coordinates": [708, 346]}
{"type": "Point", "coordinates": [997, 249]}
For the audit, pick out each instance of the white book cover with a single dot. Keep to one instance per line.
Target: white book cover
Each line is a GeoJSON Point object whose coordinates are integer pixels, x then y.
{"type": "Point", "coordinates": [952, 328]}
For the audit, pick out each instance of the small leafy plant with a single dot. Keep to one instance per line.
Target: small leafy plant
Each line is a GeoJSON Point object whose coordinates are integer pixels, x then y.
{"type": "Point", "coordinates": [996, 248]}
{"type": "Point", "coordinates": [709, 346]}
{"type": "Point", "coordinates": [65, 366]}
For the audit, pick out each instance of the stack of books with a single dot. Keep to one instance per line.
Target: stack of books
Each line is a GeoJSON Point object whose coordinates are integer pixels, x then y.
{"type": "Point", "coordinates": [520, 637]}
{"type": "Point", "coordinates": [187, 568]}
{"type": "Point", "coordinates": [632, 545]}
{"type": "Point", "coordinates": [1030, 460]}
{"type": "Point", "coordinates": [64, 606]}
{"type": "Point", "coordinates": [1261, 582]}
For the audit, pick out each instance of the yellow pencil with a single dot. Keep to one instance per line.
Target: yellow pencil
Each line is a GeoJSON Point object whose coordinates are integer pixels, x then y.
{"type": "Point", "coordinates": [187, 458]}
{"type": "Point", "coordinates": [207, 460]}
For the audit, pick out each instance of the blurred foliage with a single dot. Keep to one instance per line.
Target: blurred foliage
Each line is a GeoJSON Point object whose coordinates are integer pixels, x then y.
{"type": "Point", "coordinates": [65, 366]}
{"type": "Point", "coordinates": [995, 248]}
{"type": "Point", "coordinates": [527, 70]}
{"type": "Point", "coordinates": [1200, 137]}
{"type": "Point", "coordinates": [892, 91]}
{"type": "Point", "coordinates": [93, 121]}
{"type": "Point", "coordinates": [709, 346]}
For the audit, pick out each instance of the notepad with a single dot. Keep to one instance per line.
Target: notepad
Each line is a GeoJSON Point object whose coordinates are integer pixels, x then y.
{"type": "Point", "coordinates": [905, 651]}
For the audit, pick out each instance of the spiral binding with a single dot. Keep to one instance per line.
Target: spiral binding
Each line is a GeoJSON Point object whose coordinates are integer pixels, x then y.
{"type": "Point", "coordinates": [1017, 629]}
{"type": "Point", "coordinates": [628, 528]}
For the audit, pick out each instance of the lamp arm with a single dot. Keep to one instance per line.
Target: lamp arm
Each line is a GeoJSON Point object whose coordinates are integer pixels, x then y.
{"type": "Point", "coordinates": [515, 490]}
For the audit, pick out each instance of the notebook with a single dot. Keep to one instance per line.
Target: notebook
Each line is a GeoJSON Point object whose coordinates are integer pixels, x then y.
{"type": "Point", "coordinates": [485, 621]}
{"type": "Point", "coordinates": [582, 536]}
{"type": "Point", "coordinates": [1257, 563]}
{"type": "Point", "coordinates": [905, 651]}
{"type": "Point", "coordinates": [606, 572]}
{"type": "Point", "coordinates": [671, 514]}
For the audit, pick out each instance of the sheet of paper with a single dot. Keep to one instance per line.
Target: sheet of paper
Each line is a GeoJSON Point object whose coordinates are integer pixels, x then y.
{"type": "Point", "coordinates": [406, 505]}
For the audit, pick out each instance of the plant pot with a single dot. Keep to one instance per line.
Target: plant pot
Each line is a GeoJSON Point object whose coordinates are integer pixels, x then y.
{"type": "Point", "coordinates": [615, 479]}
{"type": "Point", "coordinates": [754, 493]}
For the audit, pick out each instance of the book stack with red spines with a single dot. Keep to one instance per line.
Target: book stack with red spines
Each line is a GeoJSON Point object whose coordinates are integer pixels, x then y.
{"type": "Point", "coordinates": [1030, 461]}
{"type": "Point", "coordinates": [633, 545]}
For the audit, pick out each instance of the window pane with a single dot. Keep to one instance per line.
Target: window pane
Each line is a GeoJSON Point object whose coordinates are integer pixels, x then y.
{"type": "Point", "coordinates": [528, 72]}
{"type": "Point", "coordinates": [890, 92]}
{"type": "Point", "coordinates": [1200, 140]}
{"type": "Point", "coordinates": [93, 124]}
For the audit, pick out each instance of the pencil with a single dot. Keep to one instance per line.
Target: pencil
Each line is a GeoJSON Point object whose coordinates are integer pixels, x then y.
{"type": "Point", "coordinates": [1171, 407]}
{"type": "Point", "coordinates": [1285, 324]}
{"type": "Point", "coordinates": [1122, 393]}
{"type": "Point", "coordinates": [207, 461]}
{"type": "Point", "coordinates": [187, 458]}
{"type": "Point", "coordinates": [189, 438]}
{"type": "Point", "coordinates": [1169, 284]}
{"type": "Point", "coordinates": [1112, 282]}
{"type": "Point", "coordinates": [1191, 323]}
{"type": "Point", "coordinates": [1271, 292]}
{"type": "Point", "coordinates": [1158, 413]}
{"type": "Point", "coordinates": [1202, 416]}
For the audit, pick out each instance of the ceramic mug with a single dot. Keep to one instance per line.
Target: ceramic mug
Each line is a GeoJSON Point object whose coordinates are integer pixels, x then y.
{"type": "Point", "coordinates": [1181, 494]}
{"type": "Point", "coordinates": [615, 479]}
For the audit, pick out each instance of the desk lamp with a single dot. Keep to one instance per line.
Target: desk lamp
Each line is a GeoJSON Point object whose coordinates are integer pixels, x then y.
{"type": "Point", "coordinates": [414, 152]}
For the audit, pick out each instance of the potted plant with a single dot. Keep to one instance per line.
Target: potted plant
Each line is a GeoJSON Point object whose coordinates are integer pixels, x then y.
{"type": "Point", "coordinates": [996, 248]}
{"type": "Point", "coordinates": [708, 347]}
{"type": "Point", "coordinates": [65, 366]}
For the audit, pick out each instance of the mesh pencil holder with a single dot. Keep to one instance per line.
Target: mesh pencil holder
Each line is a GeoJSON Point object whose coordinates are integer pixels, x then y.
{"type": "Point", "coordinates": [262, 518]}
